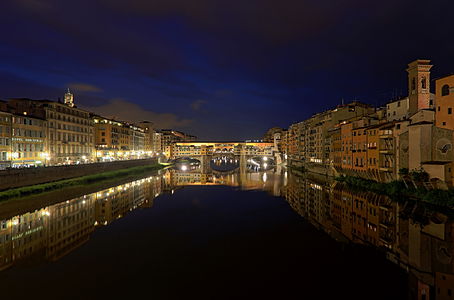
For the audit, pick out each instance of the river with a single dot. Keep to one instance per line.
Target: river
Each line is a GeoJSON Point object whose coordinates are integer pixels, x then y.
{"type": "Point", "coordinates": [238, 234]}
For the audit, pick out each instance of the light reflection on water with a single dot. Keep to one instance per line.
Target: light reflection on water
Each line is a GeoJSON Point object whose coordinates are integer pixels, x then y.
{"type": "Point", "coordinates": [418, 240]}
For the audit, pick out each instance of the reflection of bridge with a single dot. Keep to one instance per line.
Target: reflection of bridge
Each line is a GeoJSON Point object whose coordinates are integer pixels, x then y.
{"type": "Point", "coordinates": [267, 180]}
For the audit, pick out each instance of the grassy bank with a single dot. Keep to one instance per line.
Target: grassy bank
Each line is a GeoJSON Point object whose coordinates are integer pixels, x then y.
{"type": "Point", "coordinates": [79, 181]}
{"type": "Point", "coordinates": [397, 190]}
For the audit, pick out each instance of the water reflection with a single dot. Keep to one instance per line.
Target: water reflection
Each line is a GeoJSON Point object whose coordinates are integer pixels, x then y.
{"type": "Point", "coordinates": [418, 240]}
{"type": "Point", "coordinates": [415, 238]}
{"type": "Point", "coordinates": [269, 181]}
{"type": "Point", "coordinates": [54, 231]}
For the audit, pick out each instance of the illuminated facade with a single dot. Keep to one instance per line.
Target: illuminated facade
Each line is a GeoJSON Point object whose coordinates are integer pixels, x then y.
{"type": "Point", "coordinates": [116, 140]}
{"type": "Point", "coordinates": [28, 140]}
{"type": "Point", "coordinates": [5, 140]}
{"type": "Point", "coordinates": [70, 131]}
{"type": "Point", "coordinates": [191, 149]}
{"type": "Point", "coordinates": [168, 137]}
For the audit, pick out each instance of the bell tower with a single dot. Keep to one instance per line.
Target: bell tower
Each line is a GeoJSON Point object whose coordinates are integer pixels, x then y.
{"type": "Point", "coordinates": [69, 99]}
{"type": "Point", "coordinates": [419, 84]}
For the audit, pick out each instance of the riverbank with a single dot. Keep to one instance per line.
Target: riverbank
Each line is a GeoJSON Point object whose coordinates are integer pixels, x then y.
{"type": "Point", "coordinates": [397, 190]}
{"type": "Point", "coordinates": [82, 181]}
{"type": "Point", "coordinates": [17, 206]}
{"type": "Point", "coordinates": [15, 178]}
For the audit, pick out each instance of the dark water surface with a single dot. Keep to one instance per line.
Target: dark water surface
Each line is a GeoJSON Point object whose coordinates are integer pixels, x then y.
{"type": "Point", "coordinates": [212, 235]}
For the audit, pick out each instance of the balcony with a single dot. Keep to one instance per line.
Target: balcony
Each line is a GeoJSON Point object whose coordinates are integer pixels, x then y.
{"type": "Point", "coordinates": [386, 169]}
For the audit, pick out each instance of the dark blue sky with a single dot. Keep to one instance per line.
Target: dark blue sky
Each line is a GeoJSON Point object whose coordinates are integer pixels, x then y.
{"type": "Point", "coordinates": [219, 69]}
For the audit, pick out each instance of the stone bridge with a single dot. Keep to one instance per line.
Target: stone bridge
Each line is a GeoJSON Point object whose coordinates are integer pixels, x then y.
{"type": "Point", "coordinates": [216, 149]}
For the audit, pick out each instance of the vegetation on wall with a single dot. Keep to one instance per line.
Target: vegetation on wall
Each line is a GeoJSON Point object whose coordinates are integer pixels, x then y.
{"type": "Point", "coordinates": [84, 180]}
{"type": "Point", "coordinates": [398, 190]}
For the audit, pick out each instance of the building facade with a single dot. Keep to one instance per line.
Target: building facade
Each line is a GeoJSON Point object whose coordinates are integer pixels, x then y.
{"type": "Point", "coordinates": [5, 140]}
{"type": "Point", "coordinates": [28, 141]}
{"type": "Point", "coordinates": [70, 130]}
{"type": "Point", "coordinates": [444, 94]}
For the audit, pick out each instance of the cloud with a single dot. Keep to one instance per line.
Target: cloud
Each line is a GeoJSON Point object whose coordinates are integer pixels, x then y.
{"type": "Point", "coordinates": [84, 87]}
{"type": "Point", "coordinates": [35, 6]}
{"type": "Point", "coordinates": [121, 109]}
{"type": "Point", "coordinates": [197, 104]}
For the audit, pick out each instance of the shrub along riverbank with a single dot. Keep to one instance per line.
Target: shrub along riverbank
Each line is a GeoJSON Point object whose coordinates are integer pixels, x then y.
{"type": "Point", "coordinates": [397, 191]}
{"type": "Point", "coordinates": [79, 181]}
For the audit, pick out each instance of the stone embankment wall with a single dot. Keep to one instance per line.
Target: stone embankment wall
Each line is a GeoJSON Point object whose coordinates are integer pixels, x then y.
{"type": "Point", "coordinates": [313, 167]}
{"type": "Point", "coordinates": [14, 178]}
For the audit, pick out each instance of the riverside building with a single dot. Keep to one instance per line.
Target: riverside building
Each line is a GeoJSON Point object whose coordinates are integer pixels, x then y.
{"type": "Point", "coordinates": [70, 131]}
{"type": "Point", "coordinates": [5, 140]}
{"type": "Point", "coordinates": [117, 140]}
{"type": "Point", "coordinates": [413, 133]}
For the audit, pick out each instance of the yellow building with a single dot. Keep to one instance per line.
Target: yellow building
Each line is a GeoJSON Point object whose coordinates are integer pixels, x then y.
{"type": "Point", "coordinates": [69, 129]}
{"type": "Point", "coordinates": [116, 140]}
{"type": "Point", "coordinates": [5, 140]}
{"type": "Point", "coordinates": [149, 136]}
{"type": "Point", "coordinates": [28, 141]}
{"type": "Point", "coordinates": [111, 139]}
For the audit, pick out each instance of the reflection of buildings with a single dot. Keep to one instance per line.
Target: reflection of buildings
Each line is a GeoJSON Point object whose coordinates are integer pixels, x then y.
{"type": "Point", "coordinates": [69, 225]}
{"type": "Point", "coordinates": [418, 240]}
{"type": "Point", "coordinates": [268, 181]}
{"type": "Point", "coordinates": [54, 231]}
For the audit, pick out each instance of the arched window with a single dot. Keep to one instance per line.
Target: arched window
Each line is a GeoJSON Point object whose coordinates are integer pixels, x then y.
{"type": "Point", "coordinates": [445, 90]}
{"type": "Point", "coordinates": [423, 83]}
{"type": "Point", "coordinates": [413, 84]}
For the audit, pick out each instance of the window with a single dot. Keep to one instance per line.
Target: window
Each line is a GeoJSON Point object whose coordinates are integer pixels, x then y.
{"type": "Point", "coordinates": [423, 83]}
{"type": "Point", "coordinates": [413, 84]}
{"type": "Point", "coordinates": [449, 110]}
{"type": "Point", "coordinates": [445, 90]}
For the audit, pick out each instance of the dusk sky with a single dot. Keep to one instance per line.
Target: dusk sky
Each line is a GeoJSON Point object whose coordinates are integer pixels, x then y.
{"type": "Point", "coordinates": [219, 69]}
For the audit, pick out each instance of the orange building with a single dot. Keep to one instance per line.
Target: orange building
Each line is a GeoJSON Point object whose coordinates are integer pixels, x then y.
{"type": "Point", "coordinates": [372, 150]}
{"type": "Point", "coordinates": [444, 95]}
{"type": "Point", "coordinates": [359, 152]}
{"type": "Point", "coordinates": [335, 137]}
{"type": "Point", "coordinates": [347, 145]}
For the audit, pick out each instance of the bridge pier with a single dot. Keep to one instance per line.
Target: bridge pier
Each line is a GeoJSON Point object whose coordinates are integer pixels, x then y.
{"type": "Point", "coordinates": [205, 163]}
